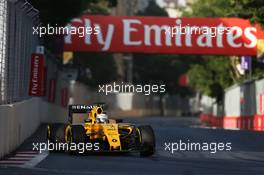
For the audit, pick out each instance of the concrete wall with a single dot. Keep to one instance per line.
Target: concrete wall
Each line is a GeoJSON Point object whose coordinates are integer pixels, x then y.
{"type": "Point", "coordinates": [52, 113]}
{"type": "Point", "coordinates": [19, 120]}
{"type": "Point", "coordinates": [240, 100]}
{"type": "Point", "coordinates": [260, 97]}
{"type": "Point", "coordinates": [232, 101]}
{"type": "Point", "coordinates": [243, 108]}
{"type": "Point", "coordinates": [218, 110]}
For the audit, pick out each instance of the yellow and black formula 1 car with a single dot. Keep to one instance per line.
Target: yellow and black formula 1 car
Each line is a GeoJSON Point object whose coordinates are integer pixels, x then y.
{"type": "Point", "coordinates": [90, 124]}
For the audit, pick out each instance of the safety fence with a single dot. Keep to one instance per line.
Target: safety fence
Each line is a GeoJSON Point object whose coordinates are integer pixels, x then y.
{"type": "Point", "coordinates": [17, 43]}
{"type": "Point", "coordinates": [243, 108]}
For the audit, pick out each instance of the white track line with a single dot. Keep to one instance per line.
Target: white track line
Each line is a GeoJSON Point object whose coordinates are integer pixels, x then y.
{"type": "Point", "coordinates": [24, 159]}
{"type": "Point", "coordinates": [19, 158]}
{"type": "Point", "coordinates": [27, 152]}
{"type": "Point", "coordinates": [11, 162]}
{"type": "Point", "coordinates": [25, 155]}
{"type": "Point", "coordinates": [33, 162]}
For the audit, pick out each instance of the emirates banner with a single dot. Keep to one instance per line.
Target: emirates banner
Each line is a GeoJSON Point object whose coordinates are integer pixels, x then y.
{"type": "Point", "coordinates": [52, 90]}
{"type": "Point", "coordinates": [216, 36]}
{"type": "Point", "coordinates": [37, 75]}
{"type": "Point", "coordinates": [64, 97]}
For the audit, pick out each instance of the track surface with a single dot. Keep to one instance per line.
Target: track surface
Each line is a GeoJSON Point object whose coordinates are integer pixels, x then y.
{"type": "Point", "coordinates": [245, 158]}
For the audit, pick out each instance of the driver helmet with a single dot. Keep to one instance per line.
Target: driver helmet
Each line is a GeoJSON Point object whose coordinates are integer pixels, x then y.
{"type": "Point", "coordinates": [101, 118]}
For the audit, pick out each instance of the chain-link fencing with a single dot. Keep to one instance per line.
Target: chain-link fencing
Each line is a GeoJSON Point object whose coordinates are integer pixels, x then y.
{"type": "Point", "coordinates": [17, 43]}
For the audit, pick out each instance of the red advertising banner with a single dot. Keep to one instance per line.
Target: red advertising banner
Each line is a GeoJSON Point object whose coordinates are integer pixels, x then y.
{"type": "Point", "coordinates": [215, 36]}
{"type": "Point", "coordinates": [261, 103]}
{"type": "Point", "coordinates": [44, 82]}
{"type": "Point", "coordinates": [64, 97]}
{"type": "Point", "coordinates": [52, 90]}
{"type": "Point", "coordinates": [37, 75]}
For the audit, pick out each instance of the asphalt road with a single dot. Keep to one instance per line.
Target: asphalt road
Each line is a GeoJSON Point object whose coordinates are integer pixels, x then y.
{"type": "Point", "coordinates": [245, 158]}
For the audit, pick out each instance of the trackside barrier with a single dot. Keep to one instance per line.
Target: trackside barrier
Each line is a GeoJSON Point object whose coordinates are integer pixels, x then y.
{"type": "Point", "coordinates": [19, 117]}
{"type": "Point", "coordinates": [245, 122]}
{"type": "Point", "coordinates": [207, 104]}
{"type": "Point", "coordinates": [258, 123]}
{"type": "Point", "coordinates": [206, 115]}
{"type": "Point", "coordinates": [243, 108]}
{"type": "Point", "coordinates": [19, 120]}
{"type": "Point", "coordinates": [258, 120]}
{"type": "Point", "coordinates": [240, 106]}
{"type": "Point", "coordinates": [232, 105]}
{"type": "Point", "coordinates": [205, 118]}
{"type": "Point", "coordinates": [215, 118]}
{"type": "Point", "coordinates": [17, 123]}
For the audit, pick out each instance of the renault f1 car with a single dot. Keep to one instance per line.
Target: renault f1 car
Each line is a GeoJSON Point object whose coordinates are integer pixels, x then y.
{"type": "Point", "coordinates": [90, 124]}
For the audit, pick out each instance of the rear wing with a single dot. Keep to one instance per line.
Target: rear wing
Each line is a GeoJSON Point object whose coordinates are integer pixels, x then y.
{"type": "Point", "coordinates": [78, 109]}
{"type": "Point", "coordinates": [82, 109]}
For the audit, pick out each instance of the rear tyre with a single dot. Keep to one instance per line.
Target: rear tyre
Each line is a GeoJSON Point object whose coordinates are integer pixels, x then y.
{"type": "Point", "coordinates": [56, 132]}
{"type": "Point", "coordinates": [146, 140]}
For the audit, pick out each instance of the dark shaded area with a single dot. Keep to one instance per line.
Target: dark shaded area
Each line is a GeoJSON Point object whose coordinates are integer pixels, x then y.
{"type": "Point", "coordinates": [101, 65]}
{"type": "Point", "coordinates": [61, 12]}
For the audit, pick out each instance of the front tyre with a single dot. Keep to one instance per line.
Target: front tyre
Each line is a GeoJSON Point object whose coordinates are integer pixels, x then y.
{"type": "Point", "coordinates": [146, 140]}
{"type": "Point", "coordinates": [78, 136]}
